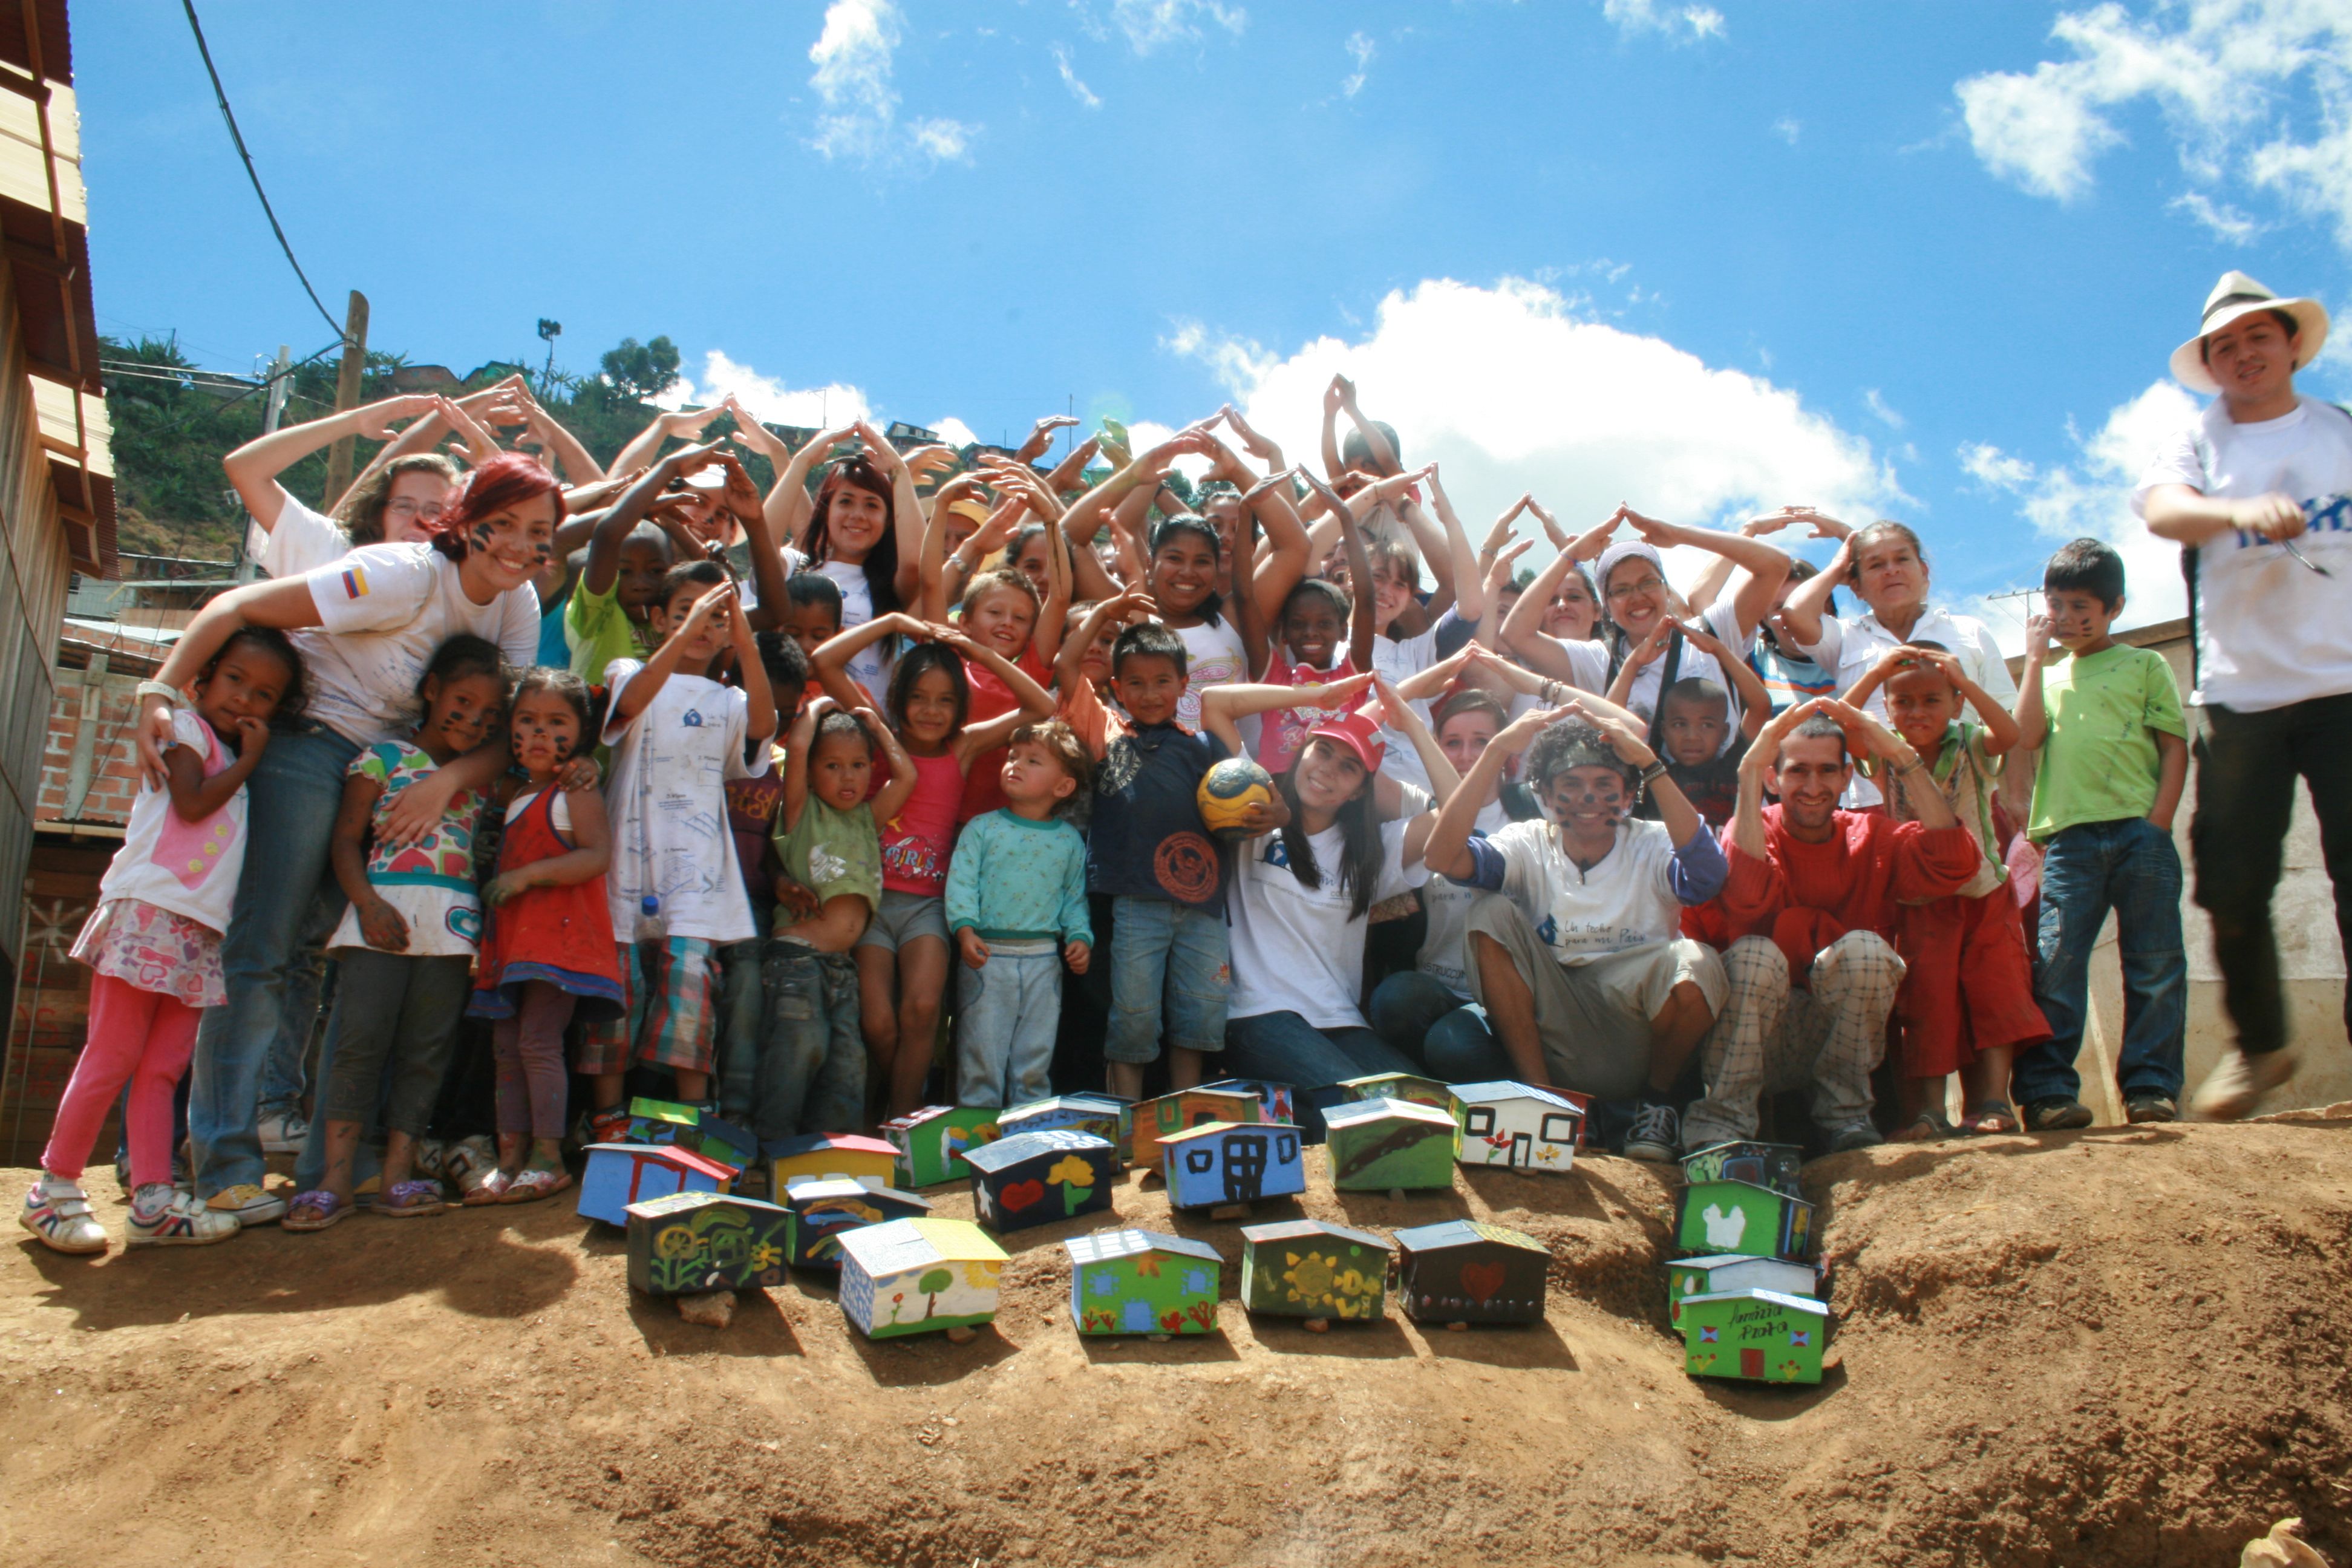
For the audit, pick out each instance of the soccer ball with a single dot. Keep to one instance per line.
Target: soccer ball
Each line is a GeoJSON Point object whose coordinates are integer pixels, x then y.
{"type": "Point", "coordinates": [1228, 791]}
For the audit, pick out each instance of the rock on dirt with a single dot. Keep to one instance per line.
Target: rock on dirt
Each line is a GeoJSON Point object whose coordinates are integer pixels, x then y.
{"type": "Point", "coordinates": [2123, 1346]}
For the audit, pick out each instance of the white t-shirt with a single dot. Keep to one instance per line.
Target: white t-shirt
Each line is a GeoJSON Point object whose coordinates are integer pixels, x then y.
{"type": "Point", "coordinates": [1695, 664]}
{"type": "Point", "coordinates": [1213, 655]}
{"type": "Point", "coordinates": [669, 803]}
{"type": "Point", "coordinates": [383, 610]}
{"type": "Point", "coordinates": [1444, 947]}
{"type": "Point", "coordinates": [869, 669]}
{"type": "Point", "coordinates": [1400, 659]}
{"type": "Point", "coordinates": [301, 542]}
{"type": "Point", "coordinates": [188, 868]}
{"type": "Point", "coordinates": [1295, 948]}
{"type": "Point", "coordinates": [2270, 631]}
{"type": "Point", "coordinates": [1623, 902]}
{"type": "Point", "coordinates": [1851, 646]}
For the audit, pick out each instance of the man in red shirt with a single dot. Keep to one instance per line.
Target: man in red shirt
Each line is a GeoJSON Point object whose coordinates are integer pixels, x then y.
{"type": "Point", "coordinates": [1807, 907]}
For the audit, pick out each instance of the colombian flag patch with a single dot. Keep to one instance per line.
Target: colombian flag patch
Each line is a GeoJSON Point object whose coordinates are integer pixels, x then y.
{"type": "Point", "coordinates": [354, 583]}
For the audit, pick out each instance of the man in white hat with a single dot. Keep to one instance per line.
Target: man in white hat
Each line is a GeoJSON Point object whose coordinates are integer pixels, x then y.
{"type": "Point", "coordinates": [2258, 493]}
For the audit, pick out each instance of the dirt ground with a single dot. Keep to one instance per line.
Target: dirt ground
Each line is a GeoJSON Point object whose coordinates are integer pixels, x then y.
{"type": "Point", "coordinates": [2127, 1346]}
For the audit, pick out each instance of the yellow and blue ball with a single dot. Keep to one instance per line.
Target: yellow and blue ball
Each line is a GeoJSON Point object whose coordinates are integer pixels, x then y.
{"type": "Point", "coordinates": [1227, 792]}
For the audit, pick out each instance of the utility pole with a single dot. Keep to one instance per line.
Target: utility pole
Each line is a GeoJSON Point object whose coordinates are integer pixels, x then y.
{"type": "Point", "coordinates": [347, 396]}
{"type": "Point", "coordinates": [272, 413]}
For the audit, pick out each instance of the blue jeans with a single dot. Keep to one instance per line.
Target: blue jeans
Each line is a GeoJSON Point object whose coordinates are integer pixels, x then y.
{"type": "Point", "coordinates": [1007, 1012]}
{"type": "Point", "coordinates": [291, 800]}
{"type": "Point", "coordinates": [742, 1005]}
{"type": "Point", "coordinates": [811, 1072]}
{"type": "Point", "coordinates": [307, 980]}
{"type": "Point", "coordinates": [1418, 1016]}
{"type": "Point", "coordinates": [1286, 1049]}
{"type": "Point", "coordinates": [2131, 867]}
{"type": "Point", "coordinates": [1168, 974]}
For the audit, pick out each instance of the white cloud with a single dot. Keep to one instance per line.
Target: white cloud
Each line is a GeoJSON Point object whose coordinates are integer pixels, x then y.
{"type": "Point", "coordinates": [2226, 222]}
{"type": "Point", "coordinates": [1510, 390]}
{"type": "Point", "coordinates": [1079, 90]}
{"type": "Point", "coordinates": [2222, 72]}
{"type": "Point", "coordinates": [2091, 496]}
{"type": "Point", "coordinates": [860, 123]}
{"type": "Point", "coordinates": [1362, 50]}
{"type": "Point", "coordinates": [767, 398]}
{"type": "Point", "coordinates": [1886, 415]}
{"type": "Point", "coordinates": [954, 432]}
{"type": "Point", "coordinates": [1634, 17]}
{"type": "Point", "coordinates": [1152, 24]}
{"type": "Point", "coordinates": [1787, 127]}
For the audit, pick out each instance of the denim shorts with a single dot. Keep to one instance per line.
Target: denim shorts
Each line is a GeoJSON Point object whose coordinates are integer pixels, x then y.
{"type": "Point", "coordinates": [900, 917]}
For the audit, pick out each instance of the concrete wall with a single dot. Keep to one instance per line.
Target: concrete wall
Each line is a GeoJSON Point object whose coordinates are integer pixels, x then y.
{"type": "Point", "coordinates": [2311, 955]}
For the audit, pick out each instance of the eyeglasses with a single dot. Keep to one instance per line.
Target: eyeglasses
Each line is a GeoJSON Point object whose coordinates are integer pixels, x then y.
{"type": "Point", "coordinates": [427, 510]}
{"type": "Point", "coordinates": [1625, 591]}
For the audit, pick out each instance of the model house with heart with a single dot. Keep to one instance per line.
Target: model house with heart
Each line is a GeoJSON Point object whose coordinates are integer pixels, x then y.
{"type": "Point", "coordinates": [930, 1143]}
{"type": "Point", "coordinates": [1687, 1277]}
{"type": "Point", "coordinates": [918, 1276]}
{"type": "Point", "coordinates": [1519, 1125]}
{"type": "Point", "coordinates": [1773, 1165]}
{"type": "Point", "coordinates": [1740, 1216]}
{"type": "Point", "coordinates": [1306, 1269]}
{"type": "Point", "coordinates": [707, 1241]}
{"type": "Point", "coordinates": [824, 1210]}
{"type": "Point", "coordinates": [1155, 1118]}
{"type": "Point", "coordinates": [1036, 1178]}
{"type": "Point", "coordinates": [1375, 1145]}
{"type": "Point", "coordinates": [1221, 1162]}
{"type": "Point", "coordinates": [1142, 1282]}
{"type": "Point", "coordinates": [860, 1159]}
{"type": "Point", "coordinates": [619, 1174]}
{"type": "Point", "coordinates": [1760, 1335]}
{"type": "Point", "coordinates": [1467, 1271]}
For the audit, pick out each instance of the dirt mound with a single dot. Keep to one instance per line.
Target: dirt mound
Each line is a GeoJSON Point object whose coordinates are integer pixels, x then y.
{"type": "Point", "coordinates": [2125, 1346]}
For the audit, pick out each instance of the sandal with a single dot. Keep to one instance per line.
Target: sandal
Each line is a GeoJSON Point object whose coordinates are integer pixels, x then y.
{"type": "Point", "coordinates": [531, 1183]}
{"type": "Point", "coordinates": [1927, 1127]}
{"type": "Point", "coordinates": [322, 1208]}
{"type": "Point", "coordinates": [489, 1187]}
{"type": "Point", "coordinates": [411, 1200]}
{"type": "Point", "coordinates": [1991, 1118]}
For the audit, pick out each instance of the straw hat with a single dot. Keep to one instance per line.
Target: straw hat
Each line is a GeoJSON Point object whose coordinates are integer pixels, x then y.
{"type": "Point", "coordinates": [2236, 295]}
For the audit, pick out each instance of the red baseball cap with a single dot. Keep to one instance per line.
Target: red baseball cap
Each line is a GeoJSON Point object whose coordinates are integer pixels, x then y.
{"type": "Point", "coordinates": [1358, 735]}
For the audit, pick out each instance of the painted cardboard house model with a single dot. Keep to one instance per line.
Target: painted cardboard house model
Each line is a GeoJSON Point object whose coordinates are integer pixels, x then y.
{"type": "Point", "coordinates": [1155, 1118]}
{"type": "Point", "coordinates": [915, 1276]}
{"type": "Point", "coordinates": [930, 1143]}
{"type": "Point", "coordinates": [1467, 1271]}
{"type": "Point", "coordinates": [1142, 1282]}
{"type": "Point", "coordinates": [1517, 1124]}
{"type": "Point", "coordinates": [1306, 1269]}
{"type": "Point", "coordinates": [1773, 1165]}
{"type": "Point", "coordinates": [1687, 1277]}
{"type": "Point", "coordinates": [861, 1159]}
{"type": "Point", "coordinates": [1100, 1114]}
{"type": "Point", "coordinates": [619, 1174]}
{"type": "Point", "coordinates": [1740, 1216]}
{"type": "Point", "coordinates": [1228, 1162]}
{"type": "Point", "coordinates": [1404, 1086]}
{"type": "Point", "coordinates": [667, 1121]}
{"type": "Point", "coordinates": [1036, 1178]}
{"type": "Point", "coordinates": [1761, 1335]}
{"type": "Point", "coordinates": [707, 1241]}
{"type": "Point", "coordinates": [1276, 1101]}
{"type": "Point", "coordinates": [1377, 1144]}
{"type": "Point", "coordinates": [825, 1210]}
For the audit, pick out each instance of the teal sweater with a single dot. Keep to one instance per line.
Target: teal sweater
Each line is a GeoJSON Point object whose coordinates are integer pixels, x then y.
{"type": "Point", "coordinates": [1017, 880]}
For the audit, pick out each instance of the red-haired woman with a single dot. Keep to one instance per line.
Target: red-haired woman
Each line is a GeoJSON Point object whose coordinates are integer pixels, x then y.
{"type": "Point", "coordinates": [864, 530]}
{"type": "Point", "coordinates": [366, 625]}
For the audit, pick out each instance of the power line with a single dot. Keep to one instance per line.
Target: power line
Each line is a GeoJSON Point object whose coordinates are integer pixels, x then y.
{"type": "Point", "coordinates": [237, 136]}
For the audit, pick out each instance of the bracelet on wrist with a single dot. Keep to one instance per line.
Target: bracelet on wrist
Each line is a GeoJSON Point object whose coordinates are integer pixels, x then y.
{"type": "Point", "coordinates": [163, 689]}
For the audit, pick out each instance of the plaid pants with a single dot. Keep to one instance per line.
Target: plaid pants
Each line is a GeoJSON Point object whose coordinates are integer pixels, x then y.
{"type": "Point", "coordinates": [1774, 1035]}
{"type": "Point", "coordinates": [671, 987]}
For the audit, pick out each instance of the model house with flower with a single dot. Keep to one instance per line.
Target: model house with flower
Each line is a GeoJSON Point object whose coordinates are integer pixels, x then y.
{"type": "Point", "coordinates": [930, 1143]}
{"type": "Point", "coordinates": [1306, 1269]}
{"type": "Point", "coordinates": [1036, 1178]}
{"type": "Point", "coordinates": [1760, 1335]}
{"type": "Point", "coordinates": [1773, 1165]}
{"type": "Point", "coordinates": [1519, 1125]}
{"type": "Point", "coordinates": [919, 1276]}
{"type": "Point", "coordinates": [691, 1242]}
{"type": "Point", "coordinates": [1687, 1277]}
{"type": "Point", "coordinates": [1142, 1282]}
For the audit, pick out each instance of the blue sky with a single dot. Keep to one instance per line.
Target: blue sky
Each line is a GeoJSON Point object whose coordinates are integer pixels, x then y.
{"type": "Point", "coordinates": [1921, 261]}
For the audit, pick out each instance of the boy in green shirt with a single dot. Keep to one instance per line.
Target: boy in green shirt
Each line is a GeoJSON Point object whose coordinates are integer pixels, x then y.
{"type": "Point", "coordinates": [2115, 754]}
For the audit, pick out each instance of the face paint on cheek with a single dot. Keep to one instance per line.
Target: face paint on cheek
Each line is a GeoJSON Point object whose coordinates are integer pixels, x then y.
{"type": "Point", "coordinates": [481, 536]}
{"type": "Point", "coordinates": [563, 747]}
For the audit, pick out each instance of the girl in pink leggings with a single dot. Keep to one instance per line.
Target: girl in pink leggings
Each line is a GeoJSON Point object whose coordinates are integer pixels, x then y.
{"type": "Point", "coordinates": [154, 943]}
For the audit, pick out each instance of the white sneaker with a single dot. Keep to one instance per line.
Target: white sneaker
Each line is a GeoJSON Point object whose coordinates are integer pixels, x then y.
{"type": "Point", "coordinates": [282, 1132]}
{"type": "Point", "coordinates": [248, 1205]}
{"type": "Point", "coordinates": [2232, 1089]}
{"type": "Point", "coordinates": [57, 1211]}
{"type": "Point", "coordinates": [181, 1221]}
